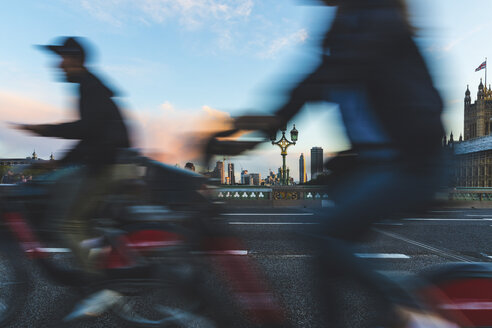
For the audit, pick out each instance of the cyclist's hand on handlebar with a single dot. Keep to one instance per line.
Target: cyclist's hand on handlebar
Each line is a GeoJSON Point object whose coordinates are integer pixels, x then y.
{"type": "Point", "coordinates": [266, 123]}
{"type": "Point", "coordinates": [218, 144]}
{"type": "Point", "coordinates": [33, 128]}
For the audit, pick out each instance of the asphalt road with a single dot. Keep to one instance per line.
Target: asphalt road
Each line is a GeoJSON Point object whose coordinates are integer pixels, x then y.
{"type": "Point", "coordinates": [276, 240]}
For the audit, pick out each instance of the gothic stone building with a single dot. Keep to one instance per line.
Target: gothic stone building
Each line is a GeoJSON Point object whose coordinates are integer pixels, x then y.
{"type": "Point", "coordinates": [473, 154]}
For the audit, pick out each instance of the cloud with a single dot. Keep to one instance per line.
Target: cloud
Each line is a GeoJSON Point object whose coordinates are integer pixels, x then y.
{"type": "Point", "coordinates": [99, 9]}
{"type": "Point", "coordinates": [456, 41]}
{"type": "Point", "coordinates": [193, 13]}
{"type": "Point", "coordinates": [169, 135]}
{"type": "Point", "coordinates": [20, 109]}
{"type": "Point", "coordinates": [281, 43]}
{"type": "Point", "coordinates": [167, 106]}
{"type": "Point", "coordinates": [176, 136]}
{"type": "Point", "coordinates": [189, 13]}
{"type": "Point", "coordinates": [233, 24]}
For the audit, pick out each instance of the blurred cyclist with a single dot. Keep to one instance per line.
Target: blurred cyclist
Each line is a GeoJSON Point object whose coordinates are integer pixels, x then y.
{"type": "Point", "coordinates": [88, 169]}
{"type": "Point", "coordinates": [373, 70]}
{"type": "Point", "coordinates": [88, 166]}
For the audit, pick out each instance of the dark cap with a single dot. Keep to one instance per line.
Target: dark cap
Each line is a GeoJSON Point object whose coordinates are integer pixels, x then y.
{"type": "Point", "coordinates": [70, 47]}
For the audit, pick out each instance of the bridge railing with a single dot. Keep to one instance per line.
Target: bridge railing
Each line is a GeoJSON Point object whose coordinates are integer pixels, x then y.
{"type": "Point", "coordinates": [274, 195]}
{"type": "Point", "coordinates": [471, 194]}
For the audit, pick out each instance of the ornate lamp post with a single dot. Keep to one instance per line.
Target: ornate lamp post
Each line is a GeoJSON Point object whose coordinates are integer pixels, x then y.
{"type": "Point", "coordinates": [284, 143]}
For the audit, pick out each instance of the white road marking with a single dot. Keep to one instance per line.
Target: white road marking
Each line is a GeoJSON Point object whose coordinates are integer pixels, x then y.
{"type": "Point", "coordinates": [428, 247]}
{"type": "Point", "coordinates": [284, 256]}
{"type": "Point", "coordinates": [225, 252]}
{"type": "Point", "coordinates": [482, 215]}
{"type": "Point", "coordinates": [266, 214]}
{"type": "Point", "coordinates": [446, 211]}
{"type": "Point", "coordinates": [389, 223]}
{"type": "Point", "coordinates": [50, 250]}
{"type": "Point", "coordinates": [361, 255]}
{"type": "Point", "coordinates": [162, 243]}
{"type": "Point", "coordinates": [381, 256]}
{"type": "Point", "coordinates": [442, 219]}
{"type": "Point", "coordinates": [271, 223]}
{"type": "Point", "coordinates": [67, 250]}
{"type": "Point", "coordinates": [467, 306]}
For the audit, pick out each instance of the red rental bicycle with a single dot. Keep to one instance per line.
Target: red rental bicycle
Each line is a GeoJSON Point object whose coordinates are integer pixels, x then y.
{"type": "Point", "coordinates": [155, 256]}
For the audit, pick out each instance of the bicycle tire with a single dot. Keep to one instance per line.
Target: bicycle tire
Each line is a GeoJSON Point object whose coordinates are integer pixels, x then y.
{"type": "Point", "coordinates": [168, 297]}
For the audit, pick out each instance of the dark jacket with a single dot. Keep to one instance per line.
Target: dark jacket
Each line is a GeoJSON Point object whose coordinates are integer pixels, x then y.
{"type": "Point", "coordinates": [370, 44]}
{"type": "Point", "coordinates": [100, 129]}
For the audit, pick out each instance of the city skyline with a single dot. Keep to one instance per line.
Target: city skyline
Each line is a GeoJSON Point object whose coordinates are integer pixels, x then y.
{"type": "Point", "coordinates": [202, 67]}
{"type": "Point", "coordinates": [266, 172]}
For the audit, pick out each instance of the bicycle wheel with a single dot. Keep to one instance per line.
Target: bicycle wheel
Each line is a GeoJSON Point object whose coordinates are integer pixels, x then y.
{"type": "Point", "coordinates": [168, 296]}
{"type": "Point", "coordinates": [13, 285]}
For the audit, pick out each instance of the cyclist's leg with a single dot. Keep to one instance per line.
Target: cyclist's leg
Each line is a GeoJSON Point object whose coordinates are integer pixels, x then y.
{"type": "Point", "coordinates": [74, 197]}
{"type": "Point", "coordinates": [370, 193]}
{"type": "Point", "coordinates": [77, 226]}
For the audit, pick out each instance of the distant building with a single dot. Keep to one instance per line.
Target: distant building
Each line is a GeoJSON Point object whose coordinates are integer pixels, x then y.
{"type": "Point", "coordinates": [190, 166]}
{"type": "Point", "coordinates": [230, 173]}
{"type": "Point", "coordinates": [478, 116]}
{"type": "Point", "coordinates": [23, 161]}
{"type": "Point", "coordinates": [255, 179]}
{"type": "Point", "coordinates": [244, 173]}
{"type": "Point", "coordinates": [316, 161]}
{"type": "Point", "coordinates": [247, 180]}
{"type": "Point", "coordinates": [219, 171]}
{"type": "Point", "coordinates": [302, 169]}
{"type": "Point", "coordinates": [271, 179]}
{"type": "Point", "coordinates": [473, 163]}
{"type": "Point", "coordinates": [11, 169]}
{"type": "Point", "coordinates": [473, 155]}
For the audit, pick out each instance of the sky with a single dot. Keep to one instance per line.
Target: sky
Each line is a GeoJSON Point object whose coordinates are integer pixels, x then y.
{"type": "Point", "coordinates": [183, 68]}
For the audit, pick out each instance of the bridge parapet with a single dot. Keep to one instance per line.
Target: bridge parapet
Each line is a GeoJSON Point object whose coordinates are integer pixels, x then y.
{"type": "Point", "coordinates": [471, 194]}
{"type": "Point", "coordinates": [274, 195]}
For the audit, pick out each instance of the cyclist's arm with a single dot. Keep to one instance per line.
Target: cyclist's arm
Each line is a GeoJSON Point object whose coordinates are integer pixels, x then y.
{"type": "Point", "coordinates": [69, 130]}
{"type": "Point", "coordinates": [310, 89]}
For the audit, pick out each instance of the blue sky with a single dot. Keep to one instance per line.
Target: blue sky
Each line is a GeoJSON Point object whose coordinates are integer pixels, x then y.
{"type": "Point", "coordinates": [182, 65]}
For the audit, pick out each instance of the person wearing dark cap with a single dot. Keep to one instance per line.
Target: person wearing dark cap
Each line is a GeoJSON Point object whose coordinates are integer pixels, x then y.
{"type": "Point", "coordinates": [87, 170]}
{"type": "Point", "coordinates": [101, 128]}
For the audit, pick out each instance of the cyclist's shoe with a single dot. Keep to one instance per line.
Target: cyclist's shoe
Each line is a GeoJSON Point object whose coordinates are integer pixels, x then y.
{"type": "Point", "coordinates": [95, 305]}
{"type": "Point", "coordinates": [422, 319]}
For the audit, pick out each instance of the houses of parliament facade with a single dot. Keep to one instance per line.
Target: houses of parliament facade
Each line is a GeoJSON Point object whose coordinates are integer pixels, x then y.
{"type": "Point", "coordinates": [473, 152]}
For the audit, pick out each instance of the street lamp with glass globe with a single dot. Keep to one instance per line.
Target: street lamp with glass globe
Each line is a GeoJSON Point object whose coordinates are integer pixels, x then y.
{"type": "Point", "coordinates": [284, 143]}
